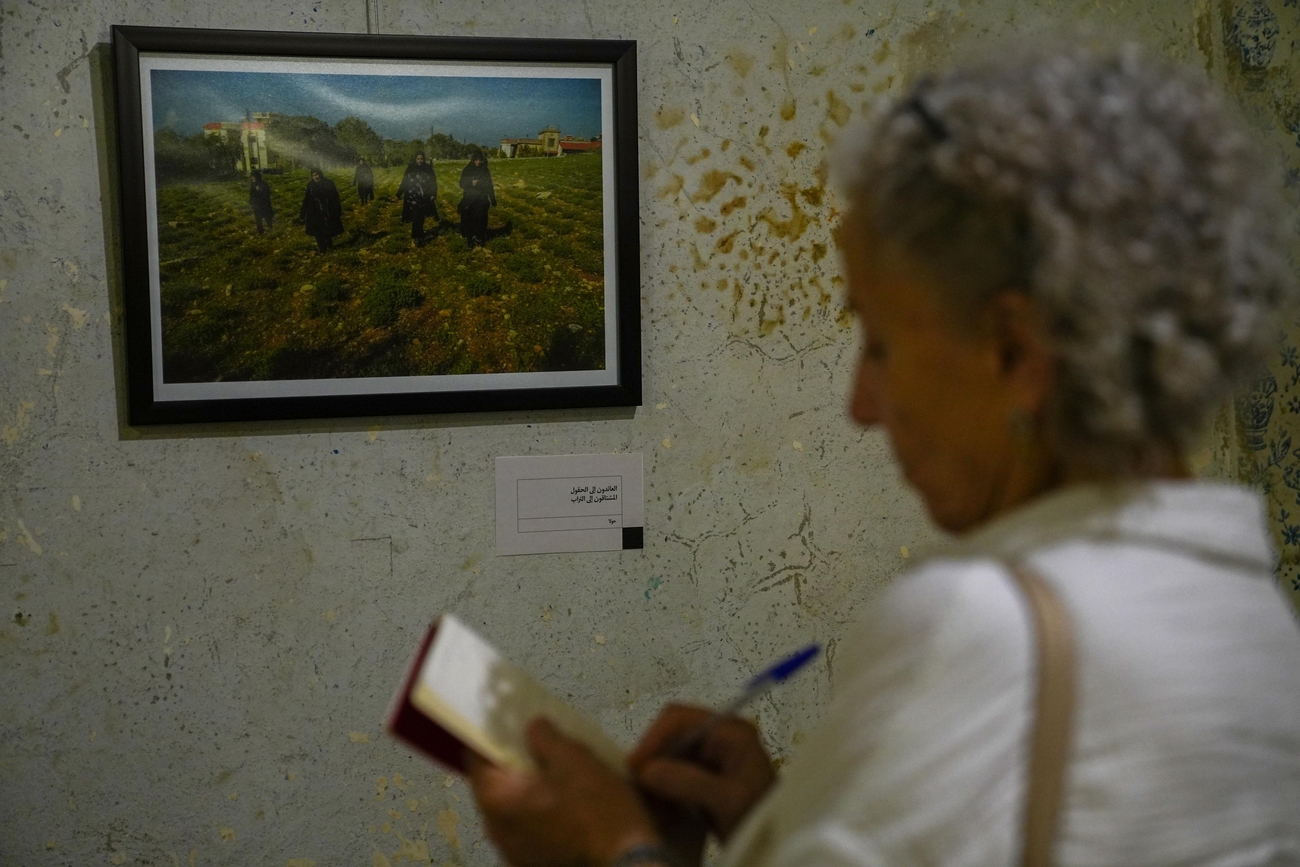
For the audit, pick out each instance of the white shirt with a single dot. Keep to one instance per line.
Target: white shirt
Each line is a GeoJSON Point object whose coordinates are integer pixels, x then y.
{"type": "Point", "coordinates": [1187, 731]}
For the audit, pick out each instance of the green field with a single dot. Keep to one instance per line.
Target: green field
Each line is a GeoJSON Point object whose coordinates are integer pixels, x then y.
{"type": "Point", "coordinates": [241, 306]}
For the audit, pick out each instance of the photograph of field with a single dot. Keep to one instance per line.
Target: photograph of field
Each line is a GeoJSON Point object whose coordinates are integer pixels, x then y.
{"type": "Point", "coordinates": [377, 226]}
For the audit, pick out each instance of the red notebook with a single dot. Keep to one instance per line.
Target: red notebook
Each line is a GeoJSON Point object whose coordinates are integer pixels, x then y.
{"type": "Point", "coordinates": [459, 693]}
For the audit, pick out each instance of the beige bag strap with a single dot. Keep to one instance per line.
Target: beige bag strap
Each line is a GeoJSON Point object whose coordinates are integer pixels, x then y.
{"type": "Point", "coordinates": [1053, 715]}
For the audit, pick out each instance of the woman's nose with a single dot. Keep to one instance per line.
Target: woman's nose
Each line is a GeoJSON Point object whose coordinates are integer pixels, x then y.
{"type": "Point", "coordinates": [863, 405]}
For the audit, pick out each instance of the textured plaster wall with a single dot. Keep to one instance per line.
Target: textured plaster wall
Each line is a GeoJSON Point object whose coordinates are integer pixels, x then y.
{"type": "Point", "coordinates": [1253, 49]}
{"type": "Point", "coordinates": [202, 628]}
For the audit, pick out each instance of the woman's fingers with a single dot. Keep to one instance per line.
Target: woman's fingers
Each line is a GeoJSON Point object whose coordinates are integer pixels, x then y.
{"type": "Point", "coordinates": [496, 789]}
{"type": "Point", "coordinates": [725, 774]}
{"type": "Point", "coordinates": [681, 782]}
{"type": "Point", "coordinates": [552, 748]}
{"type": "Point", "coordinates": [674, 722]}
{"type": "Point", "coordinates": [539, 737]}
{"type": "Point", "coordinates": [723, 739]}
{"type": "Point", "coordinates": [723, 798]}
{"type": "Point", "coordinates": [571, 810]}
{"type": "Point", "coordinates": [730, 743]}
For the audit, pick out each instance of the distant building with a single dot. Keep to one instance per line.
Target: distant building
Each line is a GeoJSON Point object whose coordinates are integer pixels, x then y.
{"type": "Point", "coordinates": [251, 134]}
{"type": "Point", "coordinates": [549, 143]}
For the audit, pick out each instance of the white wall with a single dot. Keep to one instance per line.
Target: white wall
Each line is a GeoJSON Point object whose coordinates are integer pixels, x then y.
{"type": "Point", "coordinates": [202, 628]}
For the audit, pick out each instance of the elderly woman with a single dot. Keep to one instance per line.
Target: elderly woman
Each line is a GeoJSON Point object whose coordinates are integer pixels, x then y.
{"type": "Point", "coordinates": [1062, 266]}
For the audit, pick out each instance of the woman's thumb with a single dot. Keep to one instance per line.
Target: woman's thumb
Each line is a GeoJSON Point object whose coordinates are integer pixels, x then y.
{"type": "Point", "coordinates": [545, 743]}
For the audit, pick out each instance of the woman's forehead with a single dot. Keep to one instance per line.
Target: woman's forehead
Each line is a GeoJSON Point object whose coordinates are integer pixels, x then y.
{"type": "Point", "coordinates": [862, 248]}
{"type": "Point", "coordinates": [885, 280]}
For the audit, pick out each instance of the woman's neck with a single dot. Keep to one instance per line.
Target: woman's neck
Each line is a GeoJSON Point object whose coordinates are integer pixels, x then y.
{"type": "Point", "coordinates": [1148, 462]}
{"type": "Point", "coordinates": [1039, 475]}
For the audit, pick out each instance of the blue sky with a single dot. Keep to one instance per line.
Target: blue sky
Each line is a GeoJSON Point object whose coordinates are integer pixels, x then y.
{"type": "Point", "coordinates": [481, 110]}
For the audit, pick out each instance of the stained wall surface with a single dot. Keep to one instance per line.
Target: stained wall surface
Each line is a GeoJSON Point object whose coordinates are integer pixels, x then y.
{"type": "Point", "coordinates": [202, 628]}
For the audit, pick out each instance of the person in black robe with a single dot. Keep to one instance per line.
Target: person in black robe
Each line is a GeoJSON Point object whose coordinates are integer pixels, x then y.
{"type": "Point", "coordinates": [321, 212]}
{"type": "Point", "coordinates": [419, 194]}
{"type": "Point", "coordinates": [259, 200]}
{"type": "Point", "coordinates": [364, 179]}
{"type": "Point", "coordinates": [476, 181]}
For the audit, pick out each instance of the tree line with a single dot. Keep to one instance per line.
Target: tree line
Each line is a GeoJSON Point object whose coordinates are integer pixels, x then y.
{"type": "Point", "coordinates": [294, 141]}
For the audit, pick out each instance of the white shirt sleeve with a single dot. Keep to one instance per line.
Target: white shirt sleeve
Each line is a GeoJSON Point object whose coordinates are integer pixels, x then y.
{"type": "Point", "coordinates": [920, 759]}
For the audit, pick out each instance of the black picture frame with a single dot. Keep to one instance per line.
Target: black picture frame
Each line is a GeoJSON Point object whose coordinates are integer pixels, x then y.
{"type": "Point", "coordinates": [154, 399]}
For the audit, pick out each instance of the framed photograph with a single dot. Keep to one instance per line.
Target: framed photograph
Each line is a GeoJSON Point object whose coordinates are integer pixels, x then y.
{"type": "Point", "coordinates": [326, 225]}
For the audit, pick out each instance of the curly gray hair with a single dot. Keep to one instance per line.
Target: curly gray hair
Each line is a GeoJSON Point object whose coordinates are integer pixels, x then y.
{"type": "Point", "coordinates": [1125, 196]}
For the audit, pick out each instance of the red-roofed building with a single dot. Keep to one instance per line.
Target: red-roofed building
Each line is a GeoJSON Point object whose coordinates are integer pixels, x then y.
{"type": "Point", "coordinates": [571, 145]}
{"type": "Point", "coordinates": [548, 143]}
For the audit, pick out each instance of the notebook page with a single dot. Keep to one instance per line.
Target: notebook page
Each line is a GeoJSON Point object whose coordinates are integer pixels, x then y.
{"type": "Point", "coordinates": [467, 686]}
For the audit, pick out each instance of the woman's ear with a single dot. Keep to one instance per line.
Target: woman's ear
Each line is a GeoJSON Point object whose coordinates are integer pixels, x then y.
{"type": "Point", "coordinates": [1027, 362]}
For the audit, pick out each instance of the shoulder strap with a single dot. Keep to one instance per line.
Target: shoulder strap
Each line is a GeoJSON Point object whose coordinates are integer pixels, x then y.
{"type": "Point", "coordinates": [1053, 715]}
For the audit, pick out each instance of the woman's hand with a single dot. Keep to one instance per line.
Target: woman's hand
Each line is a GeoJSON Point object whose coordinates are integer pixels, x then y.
{"type": "Point", "coordinates": [722, 778]}
{"type": "Point", "coordinates": [573, 810]}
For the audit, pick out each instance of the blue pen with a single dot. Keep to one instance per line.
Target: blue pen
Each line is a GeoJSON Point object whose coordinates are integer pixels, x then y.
{"type": "Point", "coordinates": [757, 686]}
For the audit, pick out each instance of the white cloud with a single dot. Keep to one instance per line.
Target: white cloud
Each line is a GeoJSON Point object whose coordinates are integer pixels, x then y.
{"type": "Point", "coordinates": [418, 113]}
